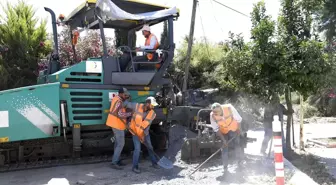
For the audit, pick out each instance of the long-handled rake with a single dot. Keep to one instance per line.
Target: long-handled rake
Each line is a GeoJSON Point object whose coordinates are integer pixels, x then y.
{"type": "Point", "coordinates": [199, 166]}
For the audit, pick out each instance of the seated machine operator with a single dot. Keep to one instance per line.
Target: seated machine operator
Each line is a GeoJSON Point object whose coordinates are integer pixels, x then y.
{"type": "Point", "coordinates": [151, 43]}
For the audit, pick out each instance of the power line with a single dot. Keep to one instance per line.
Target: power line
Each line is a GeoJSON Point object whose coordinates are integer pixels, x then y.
{"type": "Point", "coordinates": [205, 39]}
{"type": "Point", "coordinates": [214, 15]}
{"type": "Point", "coordinates": [231, 8]}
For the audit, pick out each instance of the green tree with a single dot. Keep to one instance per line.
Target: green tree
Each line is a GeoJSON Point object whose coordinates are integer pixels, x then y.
{"type": "Point", "coordinates": [303, 64]}
{"type": "Point", "coordinates": [272, 63]}
{"type": "Point", "coordinates": [24, 36]}
{"type": "Point", "coordinates": [265, 55]}
{"type": "Point", "coordinates": [204, 58]}
{"type": "Point", "coordinates": [3, 71]}
{"type": "Point", "coordinates": [235, 71]}
{"type": "Point", "coordinates": [254, 67]}
{"type": "Point", "coordinates": [327, 20]}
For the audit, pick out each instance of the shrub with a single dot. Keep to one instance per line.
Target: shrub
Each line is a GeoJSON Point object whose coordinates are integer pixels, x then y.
{"type": "Point", "coordinates": [295, 98]}
{"type": "Point", "coordinates": [310, 111]}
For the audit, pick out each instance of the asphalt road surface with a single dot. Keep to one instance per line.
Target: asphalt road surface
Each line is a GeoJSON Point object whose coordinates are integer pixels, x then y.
{"type": "Point", "coordinates": [257, 170]}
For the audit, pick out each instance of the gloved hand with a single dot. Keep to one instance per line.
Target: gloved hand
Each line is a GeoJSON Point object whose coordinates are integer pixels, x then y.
{"type": "Point", "coordinates": [129, 110]}
{"type": "Point", "coordinates": [238, 132]}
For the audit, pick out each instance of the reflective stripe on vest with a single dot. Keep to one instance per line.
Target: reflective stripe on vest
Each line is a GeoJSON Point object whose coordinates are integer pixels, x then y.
{"type": "Point", "coordinates": [150, 56]}
{"type": "Point", "coordinates": [227, 115]}
{"type": "Point", "coordinates": [139, 111]}
{"type": "Point", "coordinates": [143, 123]}
{"type": "Point", "coordinates": [150, 119]}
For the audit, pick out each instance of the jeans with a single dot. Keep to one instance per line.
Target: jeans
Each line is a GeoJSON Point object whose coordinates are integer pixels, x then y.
{"type": "Point", "coordinates": [118, 144]}
{"type": "Point", "coordinates": [267, 137]}
{"type": "Point", "coordinates": [237, 149]}
{"type": "Point", "coordinates": [137, 148]}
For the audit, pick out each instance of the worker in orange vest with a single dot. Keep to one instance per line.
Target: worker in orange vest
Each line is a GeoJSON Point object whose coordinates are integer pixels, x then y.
{"type": "Point", "coordinates": [116, 119]}
{"type": "Point", "coordinates": [151, 43]}
{"type": "Point", "coordinates": [143, 115]}
{"type": "Point", "coordinates": [225, 121]}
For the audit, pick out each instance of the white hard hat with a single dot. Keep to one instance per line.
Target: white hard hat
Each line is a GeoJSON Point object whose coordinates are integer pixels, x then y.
{"type": "Point", "coordinates": [152, 101]}
{"type": "Point", "coordinates": [145, 28]}
{"type": "Point", "coordinates": [215, 105]}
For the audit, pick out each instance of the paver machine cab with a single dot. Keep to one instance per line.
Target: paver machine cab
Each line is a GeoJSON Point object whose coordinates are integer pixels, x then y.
{"type": "Point", "coordinates": [64, 115]}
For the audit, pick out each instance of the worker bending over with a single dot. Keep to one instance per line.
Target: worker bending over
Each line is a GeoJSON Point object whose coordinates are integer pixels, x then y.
{"type": "Point", "coordinates": [143, 115]}
{"type": "Point", "coordinates": [117, 121]}
{"type": "Point", "coordinates": [225, 121]}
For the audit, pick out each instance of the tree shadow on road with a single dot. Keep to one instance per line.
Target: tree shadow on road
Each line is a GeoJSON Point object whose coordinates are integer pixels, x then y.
{"type": "Point", "coordinates": [314, 167]}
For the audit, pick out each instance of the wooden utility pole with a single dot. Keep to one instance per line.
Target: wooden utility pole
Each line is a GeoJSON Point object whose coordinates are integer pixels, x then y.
{"type": "Point", "coordinates": [190, 43]}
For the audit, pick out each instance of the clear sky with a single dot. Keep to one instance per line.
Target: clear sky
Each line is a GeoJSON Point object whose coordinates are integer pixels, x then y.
{"type": "Point", "coordinates": [217, 20]}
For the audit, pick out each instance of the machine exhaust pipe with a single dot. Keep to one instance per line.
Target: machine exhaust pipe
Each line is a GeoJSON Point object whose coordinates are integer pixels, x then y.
{"type": "Point", "coordinates": [54, 64]}
{"type": "Point", "coordinates": [54, 27]}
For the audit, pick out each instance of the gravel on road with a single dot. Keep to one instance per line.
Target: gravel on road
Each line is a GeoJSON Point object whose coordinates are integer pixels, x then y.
{"type": "Point", "coordinates": [257, 170]}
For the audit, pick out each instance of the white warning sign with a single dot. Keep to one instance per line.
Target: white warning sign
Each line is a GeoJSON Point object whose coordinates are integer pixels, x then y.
{"type": "Point", "coordinates": [112, 95]}
{"type": "Point", "coordinates": [93, 67]}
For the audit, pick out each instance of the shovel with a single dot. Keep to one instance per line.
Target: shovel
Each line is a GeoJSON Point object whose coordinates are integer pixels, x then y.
{"type": "Point", "coordinates": [199, 166]}
{"type": "Point", "coordinates": [163, 162]}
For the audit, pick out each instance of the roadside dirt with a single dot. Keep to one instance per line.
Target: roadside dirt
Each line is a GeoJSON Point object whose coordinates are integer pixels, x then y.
{"type": "Point", "coordinates": [313, 167]}
{"type": "Point", "coordinates": [327, 140]}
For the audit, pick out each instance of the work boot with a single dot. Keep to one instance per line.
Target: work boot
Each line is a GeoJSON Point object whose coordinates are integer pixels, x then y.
{"type": "Point", "coordinates": [156, 166]}
{"type": "Point", "coordinates": [136, 170]}
{"type": "Point", "coordinates": [120, 163]}
{"type": "Point", "coordinates": [116, 166]}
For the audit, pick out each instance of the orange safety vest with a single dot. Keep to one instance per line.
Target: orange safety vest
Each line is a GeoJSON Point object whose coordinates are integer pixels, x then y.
{"type": "Point", "coordinates": [139, 123]}
{"type": "Point", "coordinates": [112, 119]}
{"type": "Point", "coordinates": [150, 56]}
{"type": "Point", "coordinates": [228, 123]}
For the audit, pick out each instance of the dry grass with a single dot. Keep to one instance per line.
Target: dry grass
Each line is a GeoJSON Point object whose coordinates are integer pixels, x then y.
{"type": "Point", "coordinates": [310, 165]}
{"type": "Point", "coordinates": [327, 140]}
